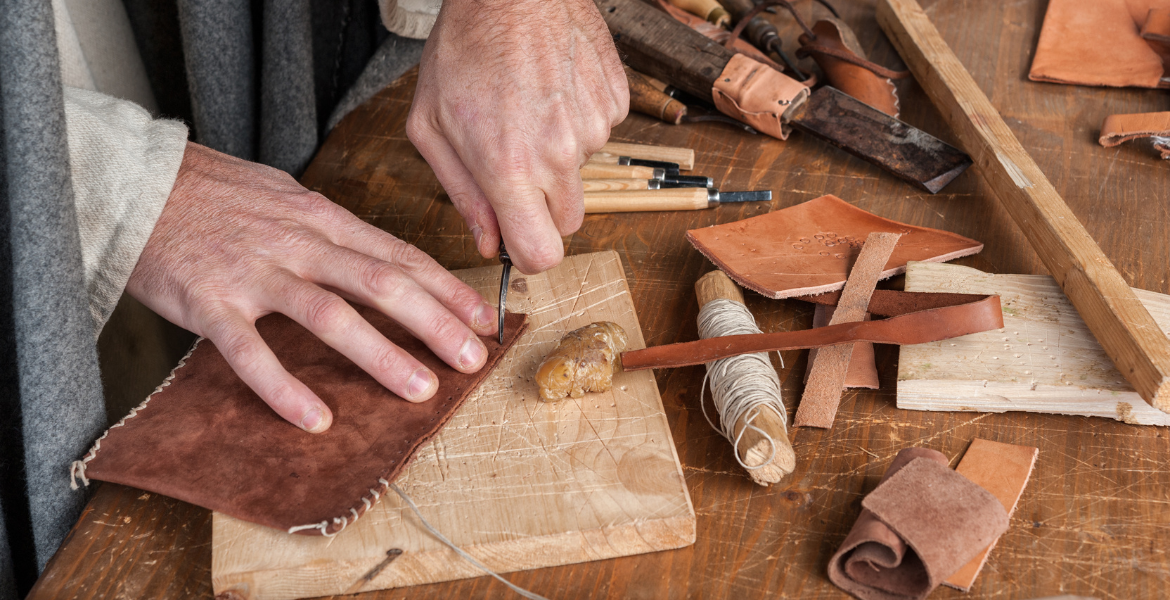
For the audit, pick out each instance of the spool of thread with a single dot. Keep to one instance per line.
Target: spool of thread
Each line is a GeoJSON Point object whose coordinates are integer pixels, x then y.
{"type": "Point", "coordinates": [745, 389]}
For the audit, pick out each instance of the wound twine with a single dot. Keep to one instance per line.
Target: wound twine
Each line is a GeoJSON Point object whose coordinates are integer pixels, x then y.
{"type": "Point", "coordinates": [740, 385]}
{"type": "Point", "coordinates": [519, 590]}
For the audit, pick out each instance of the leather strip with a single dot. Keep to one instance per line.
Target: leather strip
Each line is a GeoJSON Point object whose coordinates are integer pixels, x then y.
{"type": "Point", "coordinates": [1122, 128]}
{"type": "Point", "coordinates": [837, 52]}
{"type": "Point", "coordinates": [207, 439]}
{"type": "Point", "coordinates": [891, 303]}
{"type": "Point", "coordinates": [862, 368]}
{"type": "Point", "coordinates": [753, 93]}
{"type": "Point", "coordinates": [822, 395]}
{"type": "Point", "coordinates": [921, 327]}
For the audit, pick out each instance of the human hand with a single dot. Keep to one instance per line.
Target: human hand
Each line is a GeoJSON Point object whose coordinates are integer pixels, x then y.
{"type": "Point", "coordinates": [238, 240]}
{"type": "Point", "coordinates": [513, 97]}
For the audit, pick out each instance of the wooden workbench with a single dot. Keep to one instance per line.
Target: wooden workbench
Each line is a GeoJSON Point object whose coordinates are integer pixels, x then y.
{"type": "Point", "coordinates": [1095, 519]}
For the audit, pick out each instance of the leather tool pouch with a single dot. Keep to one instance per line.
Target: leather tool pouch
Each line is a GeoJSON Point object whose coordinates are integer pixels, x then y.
{"type": "Point", "coordinates": [758, 95]}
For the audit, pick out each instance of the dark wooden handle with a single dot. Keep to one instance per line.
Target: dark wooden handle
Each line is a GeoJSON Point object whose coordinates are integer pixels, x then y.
{"type": "Point", "coordinates": [649, 100]}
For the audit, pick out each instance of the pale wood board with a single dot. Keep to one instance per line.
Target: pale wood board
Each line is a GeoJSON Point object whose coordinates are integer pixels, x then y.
{"type": "Point", "coordinates": [1044, 360]}
{"type": "Point", "coordinates": [516, 482]}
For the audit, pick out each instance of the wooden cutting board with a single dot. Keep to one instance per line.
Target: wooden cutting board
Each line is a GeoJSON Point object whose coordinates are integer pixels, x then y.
{"type": "Point", "coordinates": [517, 483]}
{"type": "Point", "coordinates": [1044, 360]}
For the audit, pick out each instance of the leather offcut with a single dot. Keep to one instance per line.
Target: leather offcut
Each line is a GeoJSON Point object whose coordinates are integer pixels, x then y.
{"type": "Point", "coordinates": [1118, 129]}
{"type": "Point", "coordinates": [207, 439]}
{"type": "Point", "coordinates": [921, 524]}
{"type": "Point", "coordinates": [1101, 43]}
{"type": "Point", "coordinates": [854, 80]}
{"type": "Point", "coordinates": [758, 95]}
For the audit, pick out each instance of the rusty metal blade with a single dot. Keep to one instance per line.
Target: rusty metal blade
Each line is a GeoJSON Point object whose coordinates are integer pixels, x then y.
{"type": "Point", "coordinates": [870, 134]}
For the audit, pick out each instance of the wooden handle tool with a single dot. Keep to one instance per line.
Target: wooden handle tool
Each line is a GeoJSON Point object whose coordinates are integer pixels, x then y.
{"type": "Point", "coordinates": [597, 170]}
{"type": "Point", "coordinates": [617, 185]}
{"type": "Point", "coordinates": [754, 448]}
{"type": "Point", "coordinates": [711, 10]}
{"type": "Point", "coordinates": [1125, 329]}
{"type": "Point", "coordinates": [649, 100]}
{"type": "Point", "coordinates": [647, 200]}
{"type": "Point", "coordinates": [683, 157]}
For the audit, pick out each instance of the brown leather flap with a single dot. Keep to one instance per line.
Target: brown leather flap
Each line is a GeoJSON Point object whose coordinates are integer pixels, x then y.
{"type": "Point", "coordinates": [1099, 43]}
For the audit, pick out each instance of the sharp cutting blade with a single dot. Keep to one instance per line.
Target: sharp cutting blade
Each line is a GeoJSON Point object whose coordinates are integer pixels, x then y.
{"type": "Point", "coordinates": [507, 271]}
{"type": "Point", "coordinates": [752, 196]}
{"type": "Point", "coordinates": [868, 133]}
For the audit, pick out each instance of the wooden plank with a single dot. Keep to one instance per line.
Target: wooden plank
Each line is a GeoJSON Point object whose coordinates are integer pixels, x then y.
{"type": "Point", "coordinates": [1044, 360]}
{"type": "Point", "coordinates": [1112, 311]}
{"type": "Point", "coordinates": [516, 482]}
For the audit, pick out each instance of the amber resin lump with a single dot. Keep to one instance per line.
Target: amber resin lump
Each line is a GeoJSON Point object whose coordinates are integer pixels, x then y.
{"type": "Point", "coordinates": [584, 361]}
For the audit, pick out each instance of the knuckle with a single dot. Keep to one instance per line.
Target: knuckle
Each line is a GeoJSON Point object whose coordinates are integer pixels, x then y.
{"type": "Point", "coordinates": [382, 281]}
{"type": "Point", "coordinates": [545, 256]}
{"type": "Point", "coordinates": [326, 312]}
{"type": "Point", "coordinates": [241, 350]}
{"type": "Point", "coordinates": [445, 327]}
{"type": "Point", "coordinates": [409, 258]}
{"type": "Point", "coordinates": [387, 359]}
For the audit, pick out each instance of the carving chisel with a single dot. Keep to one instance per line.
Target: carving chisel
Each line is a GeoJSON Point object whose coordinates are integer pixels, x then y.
{"type": "Point", "coordinates": [662, 200]}
{"type": "Point", "coordinates": [504, 274]}
{"type": "Point", "coordinates": [683, 157]}
{"type": "Point", "coordinates": [661, 47]}
{"type": "Point", "coordinates": [628, 185]}
{"type": "Point", "coordinates": [593, 170]}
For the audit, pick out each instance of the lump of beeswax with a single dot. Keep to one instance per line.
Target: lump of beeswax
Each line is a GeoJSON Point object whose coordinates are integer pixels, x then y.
{"type": "Point", "coordinates": [584, 361]}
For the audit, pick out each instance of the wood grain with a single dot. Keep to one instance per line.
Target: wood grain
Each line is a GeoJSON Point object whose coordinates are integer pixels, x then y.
{"type": "Point", "coordinates": [517, 483]}
{"type": "Point", "coordinates": [1044, 360]}
{"type": "Point", "coordinates": [646, 200]}
{"type": "Point", "coordinates": [1100, 294]}
{"type": "Point", "coordinates": [1094, 519]}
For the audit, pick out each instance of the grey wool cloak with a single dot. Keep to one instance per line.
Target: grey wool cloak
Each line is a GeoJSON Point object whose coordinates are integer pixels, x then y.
{"type": "Point", "coordinates": [259, 79]}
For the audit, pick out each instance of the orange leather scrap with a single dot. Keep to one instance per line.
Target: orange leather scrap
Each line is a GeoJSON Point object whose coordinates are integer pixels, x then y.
{"type": "Point", "coordinates": [855, 80]}
{"type": "Point", "coordinates": [758, 95]}
{"type": "Point", "coordinates": [1123, 128]}
{"type": "Point", "coordinates": [1103, 43]}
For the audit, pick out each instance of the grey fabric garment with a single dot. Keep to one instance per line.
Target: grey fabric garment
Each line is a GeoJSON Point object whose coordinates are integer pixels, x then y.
{"type": "Point", "coordinates": [394, 57]}
{"type": "Point", "coordinates": [54, 402]}
{"type": "Point", "coordinates": [7, 577]}
{"type": "Point", "coordinates": [156, 31]}
{"type": "Point", "coordinates": [219, 55]}
{"type": "Point", "coordinates": [288, 109]}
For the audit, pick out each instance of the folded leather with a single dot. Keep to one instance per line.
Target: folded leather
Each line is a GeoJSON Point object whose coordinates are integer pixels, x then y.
{"type": "Point", "coordinates": [808, 248]}
{"type": "Point", "coordinates": [207, 439]}
{"type": "Point", "coordinates": [921, 524]}
{"type": "Point", "coordinates": [855, 80]}
{"type": "Point", "coordinates": [1100, 42]}
{"type": "Point", "coordinates": [758, 95]}
{"type": "Point", "coordinates": [1122, 128]}
{"type": "Point", "coordinates": [931, 325]}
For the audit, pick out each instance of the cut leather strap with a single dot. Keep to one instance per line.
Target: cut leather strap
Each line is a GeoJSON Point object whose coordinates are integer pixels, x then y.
{"type": "Point", "coordinates": [1122, 128]}
{"type": "Point", "coordinates": [205, 438]}
{"type": "Point", "coordinates": [891, 303]}
{"type": "Point", "coordinates": [931, 325]}
{"type": "Point", "coordinates": [837, 52]}
{"type": "Point", "coordinates": [862, 368]}
{"type": "Point", "coordinates": [921, 524]}
{"type": "Point", "coordinates": [822, 395]}
{"type": "Point", "coordinates": [758, 95]}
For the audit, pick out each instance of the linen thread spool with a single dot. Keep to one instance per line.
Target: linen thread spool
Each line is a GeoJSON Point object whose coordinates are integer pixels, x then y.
{"type": "Point", "coordinates": [746, 388]}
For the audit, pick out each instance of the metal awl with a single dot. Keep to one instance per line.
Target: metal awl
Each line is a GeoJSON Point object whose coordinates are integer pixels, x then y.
{"type": "Point", "coordinates": [504, 258]}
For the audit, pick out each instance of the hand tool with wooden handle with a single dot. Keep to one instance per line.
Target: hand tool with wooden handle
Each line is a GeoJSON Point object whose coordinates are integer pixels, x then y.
{"type": "Point", "coordinates": [710, 10]}
{"type": "Point", "coordinates": [683, 157]}
{"type": "Point", "coordinates": [649, 100]}
{"type": "Point", "coordinates": [656, 44]}
{"type": "Point", "coordinates": [606, 158]}
{"type": "Point", "coordinates": [762, 33]}
{"type": "Point", "coordinates": [593, 170]}
{"type": "Point", "coordinates": [1125, 329]}
{"type": "Point", "coordinates": [664, 200]}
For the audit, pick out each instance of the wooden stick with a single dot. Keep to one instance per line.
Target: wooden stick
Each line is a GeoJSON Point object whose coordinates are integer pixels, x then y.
{"type": "Point", "coordinates": [597, 170]}
{"type": "Point", "coordinates": [1105, 301]}
{"type": "Point", "coordinates": [754, 448]}
{"type": "Point", "coordinates": [646, 200]}
{"type": "Point", "coordinates": [615, 185]}
{"type": "Point", "coordinates": [684, 157]}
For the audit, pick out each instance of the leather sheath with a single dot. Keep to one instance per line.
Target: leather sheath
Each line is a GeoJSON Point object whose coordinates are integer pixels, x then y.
{"type": "Point", "coordinates": [1101, 43]}
{"type": "Point", "coordinates": [859, 82]}
{"type": "Point", "coordinates": [809, 248]}
{"type": "Point", "coordinates": [754, 93]}
{"type": "Point", "coordinates": [930, 325]}
{"type": "Point", "coordinates": [1123, 128]}
{"type": "Point", "coordinates": [207, 439]}
{"type": "Point", "coordinates": [921, 524]}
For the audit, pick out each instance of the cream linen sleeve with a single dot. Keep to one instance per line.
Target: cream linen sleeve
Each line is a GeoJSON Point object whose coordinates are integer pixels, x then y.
{"type": "Point", "coordinates": [123, 164]}
{"type": "Point", "coordinates": [410, 18]}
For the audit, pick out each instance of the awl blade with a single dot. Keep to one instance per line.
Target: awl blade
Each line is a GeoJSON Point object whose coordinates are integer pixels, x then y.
{"type": "Point", "coordinates": [874, 136]}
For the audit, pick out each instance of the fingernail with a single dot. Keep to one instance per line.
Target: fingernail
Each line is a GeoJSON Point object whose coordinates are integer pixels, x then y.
{"type": "Point", "coordinates": [312, 420]}
{"type": "Point", "coordinates": [420, 383]}
{"type": "Point", "coordinates": [476, 232]}
{"type": "Point", "coordinates": [486, 316]}
{"type": "Point", "coordinates": [472, 354]}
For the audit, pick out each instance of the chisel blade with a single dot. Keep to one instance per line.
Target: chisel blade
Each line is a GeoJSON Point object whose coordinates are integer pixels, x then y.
{"type": "Point", "coordinates": [751, 196]}
{"type": "Point", "coordinates": [872, 135]}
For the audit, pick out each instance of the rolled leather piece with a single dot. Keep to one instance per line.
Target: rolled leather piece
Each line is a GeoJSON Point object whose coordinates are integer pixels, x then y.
{"type": "Point", "coordinates": [1098, 43]}
{"type": "Point", "coordinates": [932, 325]}
{"type": "Point", "coordinates": [1122, 128]}
{"type": "Point", "coordinates": [753, 93]}
{"type": "Point", "coordinates": [206, 438]}
{"type": "Point", "coordinates": [857, 81]}
{"type": "Point", "coordinates": [922, 523]}
{"type": "Point", "coordinates": [808, 248]}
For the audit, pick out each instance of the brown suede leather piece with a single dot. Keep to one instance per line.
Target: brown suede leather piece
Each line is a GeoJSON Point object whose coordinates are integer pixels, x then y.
{"type": "Point", "coordinates": [808, 248]}
{"type": "Point", "coordinates": [209, 440]}
{"type": "Point", "coordinates": [1098, 42]}
{"type": "Point", "coordinates": [859, 82]}
{"type": "Point", "coordinates": [931, 325]}
{"type": "Point", "coordinates": [921, 524]}
{"type": "Point", "coordinates": [1123, 128]}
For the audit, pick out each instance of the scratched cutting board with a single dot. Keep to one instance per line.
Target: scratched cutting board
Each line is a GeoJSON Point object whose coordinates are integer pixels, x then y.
{"type": "Point", "coordinates": [1044, 360]}
{"type": "Point", "coordinates": [516, 482]}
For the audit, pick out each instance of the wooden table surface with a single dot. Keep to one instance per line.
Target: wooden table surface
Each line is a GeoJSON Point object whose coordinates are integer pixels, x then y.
{"type": "Point", "coordinates": [1094, 520]}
